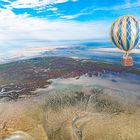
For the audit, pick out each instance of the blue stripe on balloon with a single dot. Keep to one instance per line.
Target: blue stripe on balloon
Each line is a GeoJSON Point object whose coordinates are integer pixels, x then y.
{"type": "Point", "coordinates": [128, 33]}
{"type": "Point", "coordinates": [112, 35]}
{"type": "Point", "coordinates": [136, 42]}
{"type": "Point", "coordinates": [119, 34]}
{"type": "Point", "coordinates": [113, 40]}
{"type": "Point", "coordinates": [137, 34]}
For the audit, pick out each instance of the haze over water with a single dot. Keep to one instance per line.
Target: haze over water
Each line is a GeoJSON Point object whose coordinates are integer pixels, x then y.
{"type": "Point", "coordinates": [97, 50]}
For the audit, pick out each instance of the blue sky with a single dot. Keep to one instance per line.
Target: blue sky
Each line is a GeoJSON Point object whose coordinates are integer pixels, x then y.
{"type": "Point", "coordinates": [80, 10]}
{"type": "Point", "coordinates": [34, 23]}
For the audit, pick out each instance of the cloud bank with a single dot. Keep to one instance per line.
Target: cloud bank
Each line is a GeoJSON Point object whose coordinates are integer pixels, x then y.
{"type": "Point", "coordinates": [23, 28]}
{"type": "Point", "coordinates": [33, 3]}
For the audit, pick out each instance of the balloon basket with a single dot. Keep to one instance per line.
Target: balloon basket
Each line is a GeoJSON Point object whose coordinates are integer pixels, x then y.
{"type": "Point", "coordinates": [127, 61]}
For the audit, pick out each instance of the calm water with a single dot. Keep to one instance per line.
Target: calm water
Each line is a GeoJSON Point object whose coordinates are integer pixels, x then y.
{"type": "Point", "coordinates": [84, 50]}
{"type": "Point", "coordinates": [70, 49]}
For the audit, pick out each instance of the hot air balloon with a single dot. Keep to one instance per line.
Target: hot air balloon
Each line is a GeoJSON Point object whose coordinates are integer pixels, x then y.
{"type": "Point", "coordinates": [125, 35]}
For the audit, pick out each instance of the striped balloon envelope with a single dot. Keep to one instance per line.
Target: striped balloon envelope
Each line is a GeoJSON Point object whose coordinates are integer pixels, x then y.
{"type": "Point", "coordinates": [125, 33]}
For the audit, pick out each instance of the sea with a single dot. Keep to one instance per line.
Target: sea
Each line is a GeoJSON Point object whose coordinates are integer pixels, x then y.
{"type": "Point", "coordinates": [85, 50]}
{"type": "Point", "coordinates": [74, 49]}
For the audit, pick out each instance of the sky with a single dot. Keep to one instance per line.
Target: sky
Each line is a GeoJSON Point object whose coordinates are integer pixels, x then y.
{"type": "Point", "coordinates": [33, 23]}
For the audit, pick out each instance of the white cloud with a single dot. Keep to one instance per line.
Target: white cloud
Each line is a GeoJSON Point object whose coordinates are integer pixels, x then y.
{"type": "Point", "coordinates": [70, 16]}
{"type": "Point", "coordinates": [52, 9]}
{"type": "Point", "coordinates": [74, 0]}
{"type": "Point", "coordinates": [33, 3]}
{"type": "Point", "coordinates": [22, 31]}
{"type": "Point", "coordinates": [73, 16]}
{"type": "Point", "coordinates": [90, 10]}
{"type": "Point", "coordinates": [6, 1]}
{"type": "Point", "coordinates": [38, 5]}
{"type": "Point", "coordinates": [126, 5]}
{"type": "Point", "coordinates": [14, 27]}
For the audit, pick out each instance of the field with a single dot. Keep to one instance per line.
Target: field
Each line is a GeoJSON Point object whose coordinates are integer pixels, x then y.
{"type": "Point", "coordinates": [64, 105]}
{"type": "Point", "coordinates": [87, 115]}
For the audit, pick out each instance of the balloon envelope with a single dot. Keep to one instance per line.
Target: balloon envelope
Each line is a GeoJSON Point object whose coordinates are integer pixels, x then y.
{"type": "Point", "coordinates": [125, 33]}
